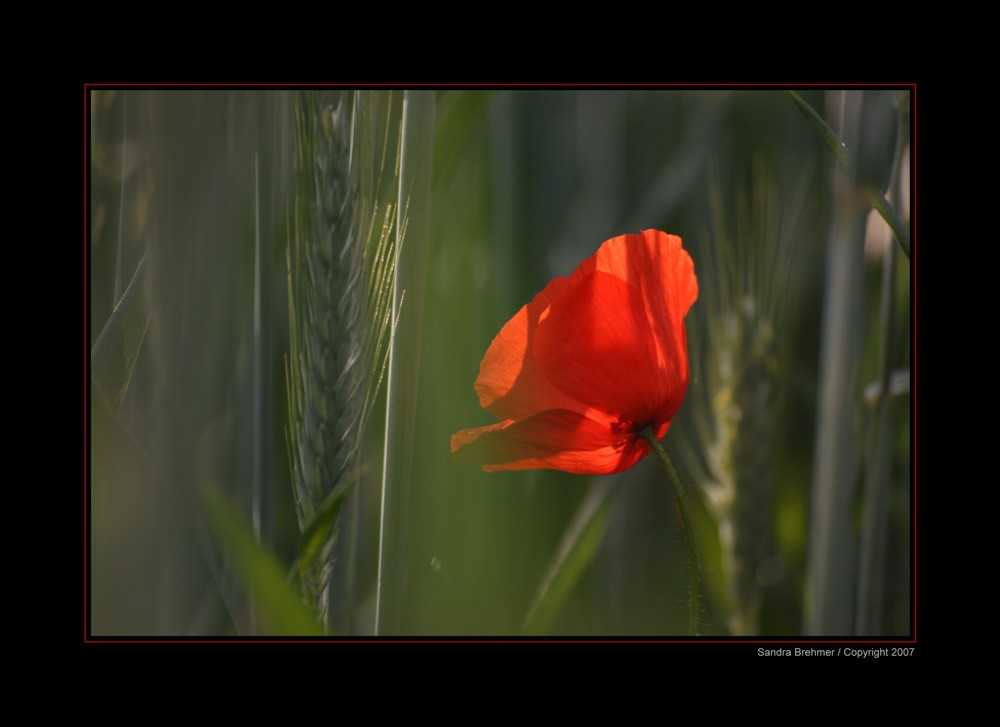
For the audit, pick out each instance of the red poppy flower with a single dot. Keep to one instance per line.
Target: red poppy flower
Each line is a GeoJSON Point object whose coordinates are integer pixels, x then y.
{"type": "Point", "coordinates": [578, 373]}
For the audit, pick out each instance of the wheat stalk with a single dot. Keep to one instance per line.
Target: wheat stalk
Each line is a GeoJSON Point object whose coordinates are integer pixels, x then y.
{"type": "Point", "coordinates": [340, 262]}
{"type": "Point", "coordinates": [741, 454]}
{"type": "Point", "coordinates": [325, 303]}
{"type": "Point", "coordinates": [749, 279]}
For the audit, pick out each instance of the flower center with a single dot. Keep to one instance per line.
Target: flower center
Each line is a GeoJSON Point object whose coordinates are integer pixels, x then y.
{"type": "Point", "coordinates": [627, 431]}
{"type": "Point", "coordinates": [623, 426]}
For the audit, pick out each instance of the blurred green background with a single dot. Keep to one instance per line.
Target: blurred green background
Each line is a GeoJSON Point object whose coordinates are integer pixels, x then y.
{"type": "Point", "coordinates": [799, 462]}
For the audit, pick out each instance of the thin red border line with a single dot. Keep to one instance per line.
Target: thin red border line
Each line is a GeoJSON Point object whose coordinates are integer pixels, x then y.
{"type": "Point", "coordinates": [86, 361]}
{"type": "Point", "coordinates": [775, 644]}
{"type": "Point", "coordinates": [500, 84]}
{"type": "Point", "coordinates": [913, 360]}
{"type": "Point", "coordinates": [912, 87]}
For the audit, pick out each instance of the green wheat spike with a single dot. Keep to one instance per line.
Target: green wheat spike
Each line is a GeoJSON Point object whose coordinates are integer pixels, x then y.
{"type": "Point", "coordinates": [326, 303]}
{"type": "Point", "coordinates": [341, 262]}
{"type": "Point", "coordinates": [742, 453]}
{"type": "Point", "coordinates": [750, 275]}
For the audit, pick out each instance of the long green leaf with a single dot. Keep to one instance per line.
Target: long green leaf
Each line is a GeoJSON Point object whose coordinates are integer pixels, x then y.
{"type": "Point", "coordinates": [415, 182]}
{"type": "Point", "coordinates": [899, 231]}
{"type": "Point", "coordinates": [315, 534]}
{"type": "Point", "coordinates": [117, 347]}
{"type": "Point", "coordinates": [575, 552]}
{"type": "Point", "coordinates": [828, 135]}
{"type": "Point", "coordinates": [839, 150]}
{"type": "Point", "coordinates": [832, 539]}
{"type": "Point", "coordinates": [279, 606]}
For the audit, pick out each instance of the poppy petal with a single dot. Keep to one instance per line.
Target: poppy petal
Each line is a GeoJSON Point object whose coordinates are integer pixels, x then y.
{"type": "Point", "coordinates": [655, 263]}
{"type": "Point", "coordinates": [510, 383]}
{"type": "Point", "coordinates": [556, 439]}
{"type": "Point", "coordinates": [599, 347]}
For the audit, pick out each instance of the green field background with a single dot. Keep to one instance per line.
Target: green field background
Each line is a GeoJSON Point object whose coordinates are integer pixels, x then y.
{"type": "Point", "coordinates": [799, 346]}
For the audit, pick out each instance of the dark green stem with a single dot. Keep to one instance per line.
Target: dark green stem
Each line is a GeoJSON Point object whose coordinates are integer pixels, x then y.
{"type": "Point", "coordinates": [684, 513]}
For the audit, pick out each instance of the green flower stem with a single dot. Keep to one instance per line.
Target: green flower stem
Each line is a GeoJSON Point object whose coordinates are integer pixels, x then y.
{"type": "Point", "coordinates": [684, 513]}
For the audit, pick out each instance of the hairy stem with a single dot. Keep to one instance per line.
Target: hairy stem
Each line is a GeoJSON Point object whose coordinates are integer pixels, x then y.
{"type": "Point", "coordinates": [684, 514]}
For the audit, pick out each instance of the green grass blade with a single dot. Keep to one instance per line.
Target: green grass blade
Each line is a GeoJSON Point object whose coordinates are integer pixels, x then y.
{"type": "Point", "coordinates": [278, 605]}
{"type": "Point", "coordinates": [576, 550]}
{"type": "Point", "coordinates": [121, 200]}
{"type": "Point", "coordinates": [316, 532]}
{"type": "Point", "coordinates": [832, 546]}
{"type": "Point", "coordinates": [828, 135]}
{"type": "Point", "coordinates": [415, 181]}
{"type": "Point", "coordinates": [840, 152]}
{"type": "Point", "coordinates": [872, 575]}
{"type": "Point", "coordinates": [117, 347]}
{"type": "Point", "coordinates": [899, 231]}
